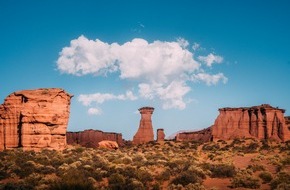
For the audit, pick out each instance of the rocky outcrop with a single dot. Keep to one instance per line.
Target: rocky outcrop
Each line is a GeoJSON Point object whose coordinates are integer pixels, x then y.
{"type": "Point", "coordinates": [145, 130]}
{"type": "Point", "coordinates": [35, 119]}
{"type": "Point", "coordinates": [204, 135]}
{"type": "Point", "coordinates": [260, 122]}
{"type": "Point", "coordinates": [108, 144]}
{"type": "Point", "coordinates": [160, 135]}
{"type": "Point", "coordinates": [90, 138]}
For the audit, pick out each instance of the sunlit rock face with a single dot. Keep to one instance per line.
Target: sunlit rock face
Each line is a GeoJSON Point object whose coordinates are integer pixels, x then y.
{"type": "Point", "coordinates": [35, 119]}
{"type": "Point", "coordinates": [260, 122]}
{"type": "Point", "coordinates": [90, 138]}
{"type": "Point", "coordinates": [145, 131]}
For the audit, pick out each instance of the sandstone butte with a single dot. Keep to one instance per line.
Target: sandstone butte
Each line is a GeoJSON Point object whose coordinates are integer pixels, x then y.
{"type": "Point", "coordinates": [90, 138]}
{"type": "Point", "coordinates": [35, 119]}
{"type": "Point", "coordinates": [145, 131]}
{"type": "Point", "coordinates": [259, 122]}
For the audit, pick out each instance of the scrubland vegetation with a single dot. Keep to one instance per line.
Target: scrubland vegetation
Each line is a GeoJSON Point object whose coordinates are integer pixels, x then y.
{"type": "Point", "coordinates": [237, 164]}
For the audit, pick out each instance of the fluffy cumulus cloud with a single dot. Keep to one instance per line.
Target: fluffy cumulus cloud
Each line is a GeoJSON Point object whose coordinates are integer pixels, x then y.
{"type": "Point", "coordinates": [161, 70]}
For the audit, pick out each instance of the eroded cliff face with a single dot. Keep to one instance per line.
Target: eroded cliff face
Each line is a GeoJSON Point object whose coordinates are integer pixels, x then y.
{"type": "Point", "coordinates": [260, 122]}
{"type": "Point", "coordinates": [145, 131]}
{"type": "Point", "coordinates": [90, 138]}
{"type": "Point", "coordinates": [35, 119]}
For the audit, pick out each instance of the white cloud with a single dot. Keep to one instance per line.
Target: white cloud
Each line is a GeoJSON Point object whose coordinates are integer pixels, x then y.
{"type": "Point", "coordinates": [99, 98]}
{"type": "Point", "coordinates": [210, 59]}
{"type": "Point", "coordinates": [94, 111]}
{"type": "Point", "coordinates": [161, 70]}
{"type": "Point", "coordinates": [209, 79]}
{"type": "Point", "coordinates": [195, 46]}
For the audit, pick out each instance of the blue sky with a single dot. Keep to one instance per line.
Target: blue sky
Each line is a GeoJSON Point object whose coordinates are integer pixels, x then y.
{"type": "Point", "coordinates": [185, 58]}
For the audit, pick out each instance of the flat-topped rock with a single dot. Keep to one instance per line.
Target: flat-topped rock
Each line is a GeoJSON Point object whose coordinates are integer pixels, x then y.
{"type": "Point", "coordinates": [90, 138]}
{"type": "Point", "coordinates": [260, 122]}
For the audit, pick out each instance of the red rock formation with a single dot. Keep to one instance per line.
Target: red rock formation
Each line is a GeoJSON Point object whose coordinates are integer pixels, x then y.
{"type": "Point", "coordinates": [108, 144]}
{"type": "Point", "coordinates": [287, 122]}
{"type": "Point", "coordinates": [90, 138]}
{"type": "Point", "coordinates": [35, 119]}
{"type": "Point", "coordinates": [145, 131]}
{"type": "Point", "coordinates": [160, 135]}
{"type": "Point", "coordinates": [204, 135]}
{"type": "Point", "coordinates": [261, 122]}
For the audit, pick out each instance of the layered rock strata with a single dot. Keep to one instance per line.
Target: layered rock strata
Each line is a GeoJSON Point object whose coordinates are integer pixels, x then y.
{"type": "Point", "coordinates": [160, 135]}
{"type": "Point", "coordinates": [35, 119]}
{"type": "Point", "coordinates": [145, 130]}
{"type": "Point", "coordinates": [260, 122]}
{"type": "Point", "coordinates": [204, 135]}
{"type": "Point", "coordinates": [90, 138]}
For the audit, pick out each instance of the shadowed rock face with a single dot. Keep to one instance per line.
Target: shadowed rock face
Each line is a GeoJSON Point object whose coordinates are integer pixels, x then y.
{"type": "Point", "coordinates": [35, 119]}
{"type": "Point", "coordinates": [261, 122]}
{"type": "Point", "coordinates": [91, 138]}
{"type": "Point", "coordinates": [204, 135]}
{"type": "Point", "coordinates": [145, 131]}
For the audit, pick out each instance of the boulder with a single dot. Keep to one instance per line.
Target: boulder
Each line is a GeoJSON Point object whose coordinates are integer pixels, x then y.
{"type": "Point", "coordinates": [35, 119]}
{"type": "Point", "coordinates": [108, 144]}
{"type": "Point", "coordinates": [145, 130]}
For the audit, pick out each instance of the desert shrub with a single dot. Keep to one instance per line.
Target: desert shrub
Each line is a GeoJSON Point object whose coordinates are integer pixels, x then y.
{"type": "Point", "coordinates": [117, 181]}
{"type": "Point", "coordinates": [24, 169]}
{"type": "Point", "coordinates": [286, 161]}
{"type": "Point", "coordinates": [256, 167]}
{"type": "Point", "coordinates": [72, 179]}
{"type": "Point", "coordinates": [132, 183]}
{"type": "Point", "coordinates": [144, 176]}
{"type": "Point", "coordinates": [244, 179]}
{"type": "Point", "coordinates": [282, 178]}
{"type": "Point", "coordinates": [16, 186]}
{"type": "Point", "coordinates": [251, 148]}
{"type": "Point", "coordinates": [196, 186]}
{"type": "Point", "coordinates": [208, 147]}
{"type": "Point", "coordinates": [220, 170]}
{"type": "Point", "coordinates": [164, 175]}
{"type": "Point", "coordinates": [185, 178]}
{"type": "Point", "coordinates": [266, 177]}
{"type": "Point", "coordinates": [237, 142]}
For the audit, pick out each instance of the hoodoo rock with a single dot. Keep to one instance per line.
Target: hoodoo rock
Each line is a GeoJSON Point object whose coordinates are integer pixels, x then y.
{"type": "Point", "coordinates": [145, 130]}
{"type": "Point", "coordinates": [260, 122]}
{"type": "Point", "coordinates": [35, 119]}
{"type": "Point", "coordinates": [204, 135]}
{"type": "Point", "coordinates": [90, 138]}
{"type": "Point", "coordinates": [160, 135]}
